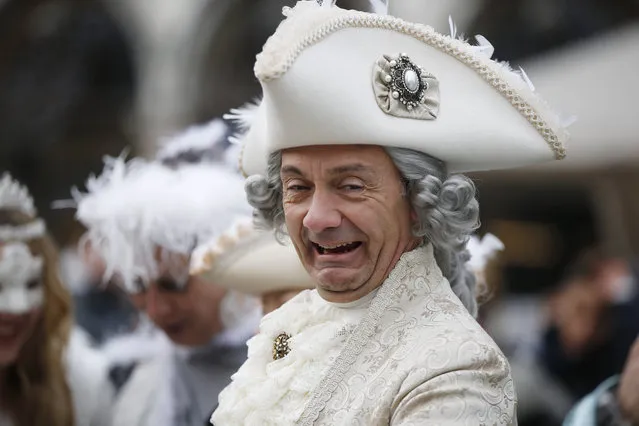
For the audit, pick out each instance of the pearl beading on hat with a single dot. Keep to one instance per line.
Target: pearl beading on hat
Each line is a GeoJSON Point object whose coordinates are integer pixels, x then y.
{"type": "Point", "coordinates": [270, 65]}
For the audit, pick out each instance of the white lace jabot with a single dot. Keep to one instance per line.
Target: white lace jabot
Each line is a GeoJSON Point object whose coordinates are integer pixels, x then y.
{"type": "Point", "coordinates": [276, 392]}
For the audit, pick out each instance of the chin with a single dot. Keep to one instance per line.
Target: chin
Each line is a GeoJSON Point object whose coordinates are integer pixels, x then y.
{"type": "Point", "coordinates": [191, 340]}
{"type": "Point", "coordinates": [340, 279]}
{"type": "Point", "coordinates": [341, 292]}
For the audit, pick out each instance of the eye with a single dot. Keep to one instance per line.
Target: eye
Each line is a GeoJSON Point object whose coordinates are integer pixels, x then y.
{"type": "Point", "coordinates": [353, 187]}
{"type": "Point", "coordinates": [352, 184]}
{"type": "Point", "coordinates": [34, 284]}
{"type": "Point", "coordinates": [296, 185]}
{"type": "Point", "coordinates": [297, 188]}
{"type": "Point", "coordinates": [170, 285]}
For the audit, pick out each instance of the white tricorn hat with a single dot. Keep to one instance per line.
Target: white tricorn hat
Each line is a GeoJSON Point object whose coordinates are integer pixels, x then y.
{"type": "Point", "coordinates": [250, 261]}
{"type": "Point", "coordinates": [335, 76]}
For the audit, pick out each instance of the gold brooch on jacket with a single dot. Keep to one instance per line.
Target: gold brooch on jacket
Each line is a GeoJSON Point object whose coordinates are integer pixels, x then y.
{"type": "Point", "coordinates": [280, 346]}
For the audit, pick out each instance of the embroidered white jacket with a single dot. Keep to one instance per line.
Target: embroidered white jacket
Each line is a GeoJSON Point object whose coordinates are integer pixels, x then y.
{"type": "Point", "coordinates": [408, 354]}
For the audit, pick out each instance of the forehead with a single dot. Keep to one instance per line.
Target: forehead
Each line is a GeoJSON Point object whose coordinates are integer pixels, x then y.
{"type": "Point", "coordinates": [323, 158]}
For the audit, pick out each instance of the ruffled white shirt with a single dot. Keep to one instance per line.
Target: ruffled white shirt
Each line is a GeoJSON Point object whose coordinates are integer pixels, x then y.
{"type": "Point", "coordinates": [274, 392]}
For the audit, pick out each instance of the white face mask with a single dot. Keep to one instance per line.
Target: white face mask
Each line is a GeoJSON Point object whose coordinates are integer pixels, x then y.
{"type": "Point", "coordinates": [21, 288]}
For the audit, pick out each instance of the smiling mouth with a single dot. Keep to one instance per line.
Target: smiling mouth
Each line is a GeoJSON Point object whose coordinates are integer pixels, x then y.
{"type": "Point", "coordinates": [174, 328]}
{"type": "Point", "coordinates": [9, 331]}
{"type": "Point", "coordinates": [336, 248]}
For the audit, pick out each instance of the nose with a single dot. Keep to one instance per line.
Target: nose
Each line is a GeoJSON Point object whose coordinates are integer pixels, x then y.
{"type": "Point", "coordinates": [322, 214]}
{"type": "Point", "coordinates": [156, 304]}
{"type": "Point", "coordinates": [18, 302]}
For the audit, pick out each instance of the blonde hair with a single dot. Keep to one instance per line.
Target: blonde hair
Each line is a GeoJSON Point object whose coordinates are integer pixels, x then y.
{"type": "Point", "coordinates": [34, 388]}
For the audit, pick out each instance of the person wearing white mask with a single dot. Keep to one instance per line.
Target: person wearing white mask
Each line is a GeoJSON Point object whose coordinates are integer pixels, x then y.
{"type": "Point", "coordinates": [144, 218]}
{"type": "Point", "coordinates": [48, 373]}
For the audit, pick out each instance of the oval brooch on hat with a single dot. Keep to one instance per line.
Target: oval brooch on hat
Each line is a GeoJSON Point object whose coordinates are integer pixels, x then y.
{"type": "Point", "coordinates": [404, 89]}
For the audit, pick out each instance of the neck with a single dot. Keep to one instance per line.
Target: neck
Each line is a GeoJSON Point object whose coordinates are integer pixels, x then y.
{"type": "Point", "coordinates": [410, 245]}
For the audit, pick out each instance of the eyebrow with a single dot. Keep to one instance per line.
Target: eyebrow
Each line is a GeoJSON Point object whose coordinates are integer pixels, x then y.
{"type": "Point", "coordinates": [348, 168]}
{"type": "Point", "coordinates": [291, 170]}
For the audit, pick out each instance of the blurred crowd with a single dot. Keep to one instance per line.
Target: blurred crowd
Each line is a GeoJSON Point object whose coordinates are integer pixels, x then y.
{"type": "Point", "coordinates": [157, 350]}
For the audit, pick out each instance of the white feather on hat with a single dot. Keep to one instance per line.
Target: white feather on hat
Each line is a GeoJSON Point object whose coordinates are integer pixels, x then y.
{"type": "Point", "coordinates": [334, 76]}
{"type": "Point", "coordinates": [204, 142]}
{"type": "Point", "coordinates": [135, 207]}
{"type": "Point", "coordinates": [195, 209]}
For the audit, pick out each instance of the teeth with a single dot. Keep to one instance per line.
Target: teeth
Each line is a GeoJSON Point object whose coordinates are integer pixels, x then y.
{"type": "Point", "coordinates": [334, 247]}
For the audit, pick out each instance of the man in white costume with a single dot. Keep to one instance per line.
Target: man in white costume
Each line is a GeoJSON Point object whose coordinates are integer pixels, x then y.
{"type": "Point", "coordinates": [351, 153]}
{"type": "Point", "coordinates": [144, 219]}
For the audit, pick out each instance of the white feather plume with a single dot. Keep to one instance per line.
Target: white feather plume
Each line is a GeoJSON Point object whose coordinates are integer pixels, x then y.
{"type": "Point", "coordinates": [482, 250]}
{"type": "Point", "coordinates": [379, 7]}
{"type": "Point", "coordinates": [135, 207]}
{"type": "Point", "coordinates": [199, 139]}
{"type": "Point", "coordinates": [243, 117]}
{"type": "Point", "coordinates": [326, 3]}
{"type": "Point", "coordinates": [452, 27]}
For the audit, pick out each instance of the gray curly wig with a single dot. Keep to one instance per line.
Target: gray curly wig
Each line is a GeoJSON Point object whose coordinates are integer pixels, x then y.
{"type": "Point", "coordinates": [446, 207]}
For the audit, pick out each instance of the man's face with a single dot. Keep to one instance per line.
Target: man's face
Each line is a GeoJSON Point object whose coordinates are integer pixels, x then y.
{"type": "Point", "coordinates": [346, 215]}
{"type": "Point", "coordinates": [189, 314]}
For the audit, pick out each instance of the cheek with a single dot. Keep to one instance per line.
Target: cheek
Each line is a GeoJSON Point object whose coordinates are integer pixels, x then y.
{"type": "Point", "coordinates": [373, 217]}
{"type": "Point", "coordinates": [138, 301]}
{"type": "Point", "coordinates": [203, 300]}
{"type": "Point", "coordinates": [294, 222]}
{"type": "Point", "coordinates": [294, 215]}
{"type": "Point", "coordinates": [34, 317]}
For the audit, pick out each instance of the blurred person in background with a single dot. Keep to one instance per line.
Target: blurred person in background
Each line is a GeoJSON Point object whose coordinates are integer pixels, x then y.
{"type": "Point", "coordinates": [144, 219]}
{"type": "Point", "coordinates": [48, 374]}
{"type": "Point", "coordinates": [593, 322]}
{"type": "Point", "coordinates": [103, 310]}
{"type": "Point", "coordinates": [615, 402]}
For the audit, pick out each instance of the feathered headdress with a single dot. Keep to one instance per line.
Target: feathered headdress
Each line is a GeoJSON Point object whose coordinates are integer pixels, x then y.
{"type": "Point", "coordinates": [138, 210]}
{"type": "Point", "coordinates": [14, 196]}
{"type": "Point", "coordinates": [201, 143]}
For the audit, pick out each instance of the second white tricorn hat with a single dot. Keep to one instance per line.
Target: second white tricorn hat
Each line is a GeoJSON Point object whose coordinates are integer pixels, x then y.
{"type": "Point", "coordinates": [250, 261]}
